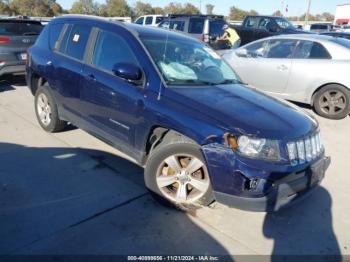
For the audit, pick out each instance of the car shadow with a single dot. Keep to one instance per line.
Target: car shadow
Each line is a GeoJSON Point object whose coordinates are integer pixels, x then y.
{"type": "Point", "coordinates": [13, 80]}
{"type": "Point", "coordinates": [65, 201]}
{"type": "Point", "coordinates": [304, 229]}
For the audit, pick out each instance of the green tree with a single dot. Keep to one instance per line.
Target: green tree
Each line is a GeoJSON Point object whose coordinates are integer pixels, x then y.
{"type": "Point", "coordinates": [87, 7]}
{"type": "Point", "coordinates": [210, 9]}
{"type": "Point", "coordinates": [239, 14]}
{"type": "Point", "coordinates": [173, 8]}
{"type": "Point", "coordinates": [327, 16]}
{"type": "Point", "coordinates": [176, 8]}
{"type": "Point", "coordinates": [277, 13]}
{"type": "Point", "coordinates": [158, 10]}
{"type": "Point", "coordinates": [118, 8]}
{"type": "Point", "coordinates": [190, 9]}
{"type": "Point", "coordinates": [143, 9]}
{"type": "Point", "coordinates": [4, 8]}
{"type": "Point", "coordinates": [31, 7]}
{"type": "Point", "coordinates": [56, 9]}
{"type": "Point", "coordinates": [102, 10]}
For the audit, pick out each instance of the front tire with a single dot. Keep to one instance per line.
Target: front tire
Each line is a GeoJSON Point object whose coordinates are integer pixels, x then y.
{"type": "Point", "coordinates": [332, 101]}
{"type": "Point", "coordinates": [176, 175]}
{"type": "Point", "coordinates": [46, 111]}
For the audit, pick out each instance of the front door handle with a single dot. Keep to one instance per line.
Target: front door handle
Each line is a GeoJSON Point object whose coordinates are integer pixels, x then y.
{"type": "Point", "coordinates": [90, 77]}
{"type": "Point", "coordinates": [282, 68]}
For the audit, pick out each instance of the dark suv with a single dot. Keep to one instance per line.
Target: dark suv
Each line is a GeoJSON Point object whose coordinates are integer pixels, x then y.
{"type": "Point", "coordinates": [16, 35]}
{"type": "Point", "coordinates": [203, 27]}
{"type": "Point", "coordinates": [172, 104]}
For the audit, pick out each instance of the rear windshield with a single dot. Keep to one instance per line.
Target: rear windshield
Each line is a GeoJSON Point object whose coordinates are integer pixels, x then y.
{"type": "Point", "coordinates": [216, 27]}
{"type": "Point", "coordinates": [13, 28]}
{"type": "Point", "coordinates": [319, 27]}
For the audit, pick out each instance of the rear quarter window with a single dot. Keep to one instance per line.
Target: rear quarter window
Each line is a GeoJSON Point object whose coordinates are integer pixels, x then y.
{"type": "Point", "coordinates": [149, 20]}
{"type": "Point", "coordinates": [75, 40]}
{"type": "Point", "coordinates": [216, 27]}
{"type": "Point", "coordinates": [311, 50]}
{"type": "Point", "coordinates": [177, 25]}
{"type": "Point", "coordinates": [196, 26]}
{"type": "Point", "coordinates": [55, 31]}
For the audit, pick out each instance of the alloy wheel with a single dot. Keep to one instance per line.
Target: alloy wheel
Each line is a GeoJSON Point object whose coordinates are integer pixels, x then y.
{"type": "Point", "coordinates": [44, 109]}
{"type": "Point", "coordinates": [332, 102]}
{"type": "Point", "coordinates": [183, 178]}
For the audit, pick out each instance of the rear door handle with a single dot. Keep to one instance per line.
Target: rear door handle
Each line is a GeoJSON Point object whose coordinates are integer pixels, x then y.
{"type": "Point", "coordinates": [90, 77]}
{"type": "Point", "coordinates": [282, 68]}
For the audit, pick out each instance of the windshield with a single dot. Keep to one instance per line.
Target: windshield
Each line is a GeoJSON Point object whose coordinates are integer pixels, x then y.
{"type": "Point", "coordinates": [20, 29]}
{"type": "Point", "coordinates": [188, 63]}
{"type": "Point", "coordinates": [284, 23]}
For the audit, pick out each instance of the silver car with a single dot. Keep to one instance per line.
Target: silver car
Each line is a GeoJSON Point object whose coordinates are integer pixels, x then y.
{"type": "Point", "coordinates": [312, 69]}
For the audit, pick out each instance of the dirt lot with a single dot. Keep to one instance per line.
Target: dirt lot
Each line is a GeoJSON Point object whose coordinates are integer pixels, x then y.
{"type": "Point", "coordinates": [69, 193]}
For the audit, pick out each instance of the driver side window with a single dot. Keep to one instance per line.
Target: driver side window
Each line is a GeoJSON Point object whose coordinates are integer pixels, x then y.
{"type": "Point", "coordinates": [111, 49]}
{"type": "Point", "coordinates": [265, 24]}
{"type": "Point", "coordinates": [257, 49]}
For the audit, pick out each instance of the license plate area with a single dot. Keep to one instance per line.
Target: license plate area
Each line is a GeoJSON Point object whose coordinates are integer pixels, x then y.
{"type": "Point", "coordinates": [23, 56]}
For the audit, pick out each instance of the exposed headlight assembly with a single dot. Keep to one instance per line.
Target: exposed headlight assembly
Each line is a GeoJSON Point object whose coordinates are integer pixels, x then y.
{"type": "Point", "coordinates": [256, 147]}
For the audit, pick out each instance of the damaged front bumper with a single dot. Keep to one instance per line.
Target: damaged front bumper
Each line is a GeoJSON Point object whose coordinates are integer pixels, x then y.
{"type": "Point", "coordinates": [255, 185]}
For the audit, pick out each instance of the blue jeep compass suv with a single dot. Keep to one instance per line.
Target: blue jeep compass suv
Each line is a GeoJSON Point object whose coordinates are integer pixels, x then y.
{"type": "Point", "coordinates": [172, 104]}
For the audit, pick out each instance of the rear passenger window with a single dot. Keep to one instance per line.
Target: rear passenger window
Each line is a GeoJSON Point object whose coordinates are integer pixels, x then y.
{"type": "Point", "coordinates": [149, 20]}
{"type": "Point", "coordinates": [311, 50]}
{"type": "Point", "coordinates": [111, 49]}
{"type": "Point", "coordinates": [78, 37]}
{"type": "Point", "coordinates": [196, 26]}
{"type": "Point", "coordinates": [55, 31]}
{"type": "Point", "coordinates": [177, 25]}
{"type": "Point", "coordinates": [139, 21]}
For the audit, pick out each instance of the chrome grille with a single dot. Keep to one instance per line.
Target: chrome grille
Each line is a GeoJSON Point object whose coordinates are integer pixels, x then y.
{"type": "Point", "coordinates": [305, 150]}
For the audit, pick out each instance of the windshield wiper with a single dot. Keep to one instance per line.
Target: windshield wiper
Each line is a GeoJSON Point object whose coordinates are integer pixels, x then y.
{"type": "Point", "coordinates": [231, 81]}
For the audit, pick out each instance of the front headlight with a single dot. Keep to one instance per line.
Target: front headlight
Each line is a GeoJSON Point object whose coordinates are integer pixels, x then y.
{"type": "Point", "coordinates": [258, 148]}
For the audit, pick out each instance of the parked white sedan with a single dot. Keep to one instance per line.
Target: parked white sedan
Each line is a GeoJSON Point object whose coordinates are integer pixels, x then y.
{"type": "Point", "coordinates": [312, 69]}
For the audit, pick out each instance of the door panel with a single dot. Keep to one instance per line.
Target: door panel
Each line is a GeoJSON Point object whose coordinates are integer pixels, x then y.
{"type": "Point", "coordinates": [113, 106]}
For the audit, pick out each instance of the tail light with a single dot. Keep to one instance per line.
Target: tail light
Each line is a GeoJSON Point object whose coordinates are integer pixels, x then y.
{"type": "Point", "coordinates": [4, 40]}
{"type": "Point", "coordinates": [2, 63]}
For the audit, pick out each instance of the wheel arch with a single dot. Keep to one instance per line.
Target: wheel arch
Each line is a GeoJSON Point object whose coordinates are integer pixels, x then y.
{"type": "Point", "coordinates": [35, 82]}
{"type": "Point", "coordinates": [159, 134]}
{"type": "Point", "coordinates": [322, 86]}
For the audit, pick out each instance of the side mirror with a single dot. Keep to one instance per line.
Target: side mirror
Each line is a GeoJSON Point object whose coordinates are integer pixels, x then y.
{"type": "Point", "coordinates": [127, 71]}
{"type": "Point", "coordinates": [242, 52]}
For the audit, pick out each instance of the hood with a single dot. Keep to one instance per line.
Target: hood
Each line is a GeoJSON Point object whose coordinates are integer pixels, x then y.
{"type": "Point", "coordinates": [241, 109]}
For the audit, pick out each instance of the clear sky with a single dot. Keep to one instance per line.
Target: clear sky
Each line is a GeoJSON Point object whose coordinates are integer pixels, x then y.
{"type": "Point", "coordinates": [296, 7]}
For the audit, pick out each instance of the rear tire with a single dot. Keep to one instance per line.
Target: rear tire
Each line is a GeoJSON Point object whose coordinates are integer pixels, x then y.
{"type": "Point", "coordinates": [46, 111]}
{"type": "Point", "coordinates": [176, 175]}
{"type": "Point", "coordinates": [332, 101]}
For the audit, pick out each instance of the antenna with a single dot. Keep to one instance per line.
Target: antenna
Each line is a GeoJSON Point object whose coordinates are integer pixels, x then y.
{"type": "Point", "coordinates": [165, 50]}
